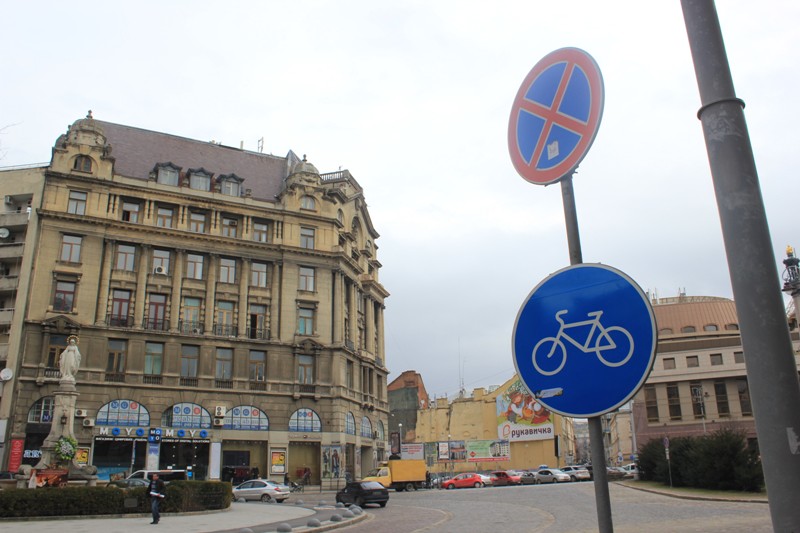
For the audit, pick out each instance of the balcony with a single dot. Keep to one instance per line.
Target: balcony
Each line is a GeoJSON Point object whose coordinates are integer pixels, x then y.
{"type": "Point", "coordinates": [258, 386]}
{"type": "Point", "coordinates": [120, 321]}
{"type": "Point", "coordinates": [155, 324]}
{"type": "Point", "coordinates": [14, 221]}
{"type": "Point", "coordinates": [225, 330]}
{"type": "Point", "coordinates": [50, 372]}
{"type": "Point", "coordinates": [150, 379]}
{"type": "Point", "coordinates": [307, 389]}
{"type": "Point", "coordinates": [12, 250]}
{"type": "Point", "coordinates": [9, 283]}
{"type": "Point", "coordinates": [188, 382]}
{"type": "Point", "coordinates": [115, 377]}
{"type": "Point", "coordinates": [223, 383]}
{"type": "Point", "coordinates": [6, 316]}
{"type": "Point", "coordinates": [190, 328]}
{"type": "Point", "coordinates": [258, 334]}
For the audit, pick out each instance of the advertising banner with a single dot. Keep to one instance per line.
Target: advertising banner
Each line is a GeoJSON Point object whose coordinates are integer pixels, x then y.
{"type": "Point", "coordinates": [82, 456]}
{"type": "Point", "coordinates": [278, 462]}
{"type": "Point", "coordinates": [48, 477]}
{"type": "Point", "coordinates": [480, 451]}
{"type": "Point", "coordinates": [455, 451]}
{"type": "Point", "coordinates": [15, 454]}
{"type": "Point", "coordinates": [444, 451]}
{"type": "Point", "coordinates": [413, 450]}
{"type": "Point", "coordinates": [520, 417]}
{"type": "Point", "coordinates": [331, 461]}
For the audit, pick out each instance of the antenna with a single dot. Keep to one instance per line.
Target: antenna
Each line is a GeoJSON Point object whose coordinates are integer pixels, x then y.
{"type": "Point", "coordinates": [261, 145]}
{"type": "Point", "coordinates": [461, 391]}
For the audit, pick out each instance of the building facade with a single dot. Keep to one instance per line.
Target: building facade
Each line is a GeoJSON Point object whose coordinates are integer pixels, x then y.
{"type": "Point", "coordinates": [227, 302]}
{"type": "Point", "coordinates": [699, 382]}
{"type": "Point", "coordinates": [407, 396]}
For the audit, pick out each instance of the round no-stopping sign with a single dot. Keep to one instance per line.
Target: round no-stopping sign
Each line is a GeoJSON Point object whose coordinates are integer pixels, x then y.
{"type": "Point", "coordinates": [555, 116]}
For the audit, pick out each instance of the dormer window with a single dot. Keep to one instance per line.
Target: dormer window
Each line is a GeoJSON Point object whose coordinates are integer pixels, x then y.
{"type": "Point", "coordinates": [230, 185]}
{"type": "Point", "coordinates": [308, 202]}
{"type": "Point", "coordinates": [83, 163]}
{"type": "Point", "coordinates": [199, 180]}
{"type": "Point", "coordinates": [168, 175]}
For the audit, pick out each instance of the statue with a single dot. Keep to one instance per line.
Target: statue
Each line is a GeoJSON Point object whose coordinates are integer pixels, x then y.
{"type": "Point", "coordinates": [70, 359]}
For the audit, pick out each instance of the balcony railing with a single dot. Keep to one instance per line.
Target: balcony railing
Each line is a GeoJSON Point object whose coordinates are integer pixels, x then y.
{"type": "Point", "coordinates": [120, 321]}
{"type": "Point", "coordinates": [260, 334]}
{"type": "Point", "coordinates": [115, 377]}
{"type": "Point", "coordinates": [190, 328]}
{"type": "Point", "coordinates": [225, 330]}
{"type": "Point", "coordinates": [349, 345]}
{"type": "Point", "coordinates": [51, 372]}
{"type": "Point", "coordinates": [188, 382]}
{"type": "Point", "coordinates": [155, 324]}
{"type": "Point", "coordinates": [258, 386]}
{"type": "Point", "coordinates": [223, 383]}
{"type": "Point", "coordinates": [307, 389]}
{"type": "Point", "coordinates": [150, 379]}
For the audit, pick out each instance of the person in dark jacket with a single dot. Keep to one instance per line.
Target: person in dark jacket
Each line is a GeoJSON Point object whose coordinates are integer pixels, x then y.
{"type": "Point", "coordinates": [157, 491]}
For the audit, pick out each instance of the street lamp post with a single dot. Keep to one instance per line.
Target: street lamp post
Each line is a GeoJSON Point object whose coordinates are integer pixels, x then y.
{"type": "Point", "coordinates": [400, 451]}
{"type": "Point", "coordinates": [450, 452]}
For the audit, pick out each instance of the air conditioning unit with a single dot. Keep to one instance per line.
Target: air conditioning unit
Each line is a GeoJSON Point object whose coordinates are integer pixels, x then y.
{"type": "Point", "coordinates": [81, 413]}
{"type": "Point", "coordinates": [159, 270]}
{"type": "Point", "coordinates": [197, 331]}
{"type": "Point", "coordinates": [9, 200]}
{"type": "Point", "coordinates": [88, 423]}
{"type": "Point", "coordinates": [220, 411]}
{"type": "Point", "coordinates": [218, 422]}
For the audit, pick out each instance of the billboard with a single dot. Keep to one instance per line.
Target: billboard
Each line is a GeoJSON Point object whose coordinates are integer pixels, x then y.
{"type": "Point", "coordinates": [480, 451]}
{"type": "Point", "coordinates": [520, 417]}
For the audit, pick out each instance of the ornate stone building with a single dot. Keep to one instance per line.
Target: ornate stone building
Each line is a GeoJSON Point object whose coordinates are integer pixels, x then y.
{"type": "Point", "coordinates": [226, 301]}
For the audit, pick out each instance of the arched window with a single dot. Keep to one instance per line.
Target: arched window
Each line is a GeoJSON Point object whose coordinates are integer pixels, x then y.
{"type": "Point", "coordinates": [381, 432]}
{"type": "Point", "coordinates": [186, 415]}
{"type": "Point", "coordinates": [305, 420]}
{"type": "Point", "coordinates": [732, 327]}
{"type": "Point", "coordinates": [230, 184]}
{"type": "Point", "coordinates": [42, 411]}
{"type": "Point", "coordinates": [83, 163]}
{"type": "Point", "coordinates": [123, 413]}
{"type": "Point", "coordinates": [688, 329]}
{"type": "Point", "coordinates": [308, 202]}
{"type": "Point", "coordinates": [167, 174]}
{"type": "Point", "coordinates": [710, 327]}
{"type": "Point", "coordinates": [366, 428]}
{"type": "Point", "coordinates": [350, 424]}
{"type": "Point", "coordinates": [246, 417]}
{"type": "Point", "coordinates": [340, 216]}
{"type": "Point", "coordinates": [665, 331]}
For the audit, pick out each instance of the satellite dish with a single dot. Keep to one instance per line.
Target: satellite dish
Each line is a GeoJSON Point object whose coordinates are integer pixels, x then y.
{"type": "Point", "coordinates": [4, 233]}
{"type": "Point", "coordinates": [6, 374]}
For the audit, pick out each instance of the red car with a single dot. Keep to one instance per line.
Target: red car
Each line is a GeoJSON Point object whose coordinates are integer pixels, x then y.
{"type": "Point", "coordinates": [505, 477]}
{"type": "Point", "coordinates": [463, 481]}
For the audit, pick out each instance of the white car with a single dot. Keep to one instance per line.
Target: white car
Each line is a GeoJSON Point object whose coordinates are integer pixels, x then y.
{"type": "Point", "coordinates": [550, 475]}
{"type": "Point", "coordinates": [577, 473]}
{"type": "Point", "coordinates": [261, 489]}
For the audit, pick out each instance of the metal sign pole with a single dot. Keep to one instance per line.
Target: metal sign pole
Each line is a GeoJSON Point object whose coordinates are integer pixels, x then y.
{"type": "Point", "coordinates": [601, 495]}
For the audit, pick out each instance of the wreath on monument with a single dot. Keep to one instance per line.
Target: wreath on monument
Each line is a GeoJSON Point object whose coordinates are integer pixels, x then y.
{"type": "Point", "coordinates": [66, 448]}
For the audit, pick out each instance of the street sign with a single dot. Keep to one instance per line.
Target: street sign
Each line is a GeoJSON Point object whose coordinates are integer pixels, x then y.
{"type": "Point", "coordinates": [154, 435]}
{"type": "Point", "coordinates": [588, 330]}
{"type": "Point", "coordinates": [555, 116]}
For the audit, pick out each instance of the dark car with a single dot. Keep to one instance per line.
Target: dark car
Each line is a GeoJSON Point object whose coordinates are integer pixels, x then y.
{"type": "Point", "coordinates": [128, 483]}
{"type": "Point", "coordinates": [363, 492]}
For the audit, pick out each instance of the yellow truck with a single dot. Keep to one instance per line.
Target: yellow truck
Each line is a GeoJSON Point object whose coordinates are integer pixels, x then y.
{"type": "Point", "coordinates": [400, 474]}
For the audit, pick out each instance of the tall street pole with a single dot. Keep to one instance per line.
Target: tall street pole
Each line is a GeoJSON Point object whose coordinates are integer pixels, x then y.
{"type": "Point", "coordinates": [771, 367]}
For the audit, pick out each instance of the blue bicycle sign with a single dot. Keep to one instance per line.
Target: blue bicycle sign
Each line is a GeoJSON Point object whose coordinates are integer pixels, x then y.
{"type": "Point", "coordinates": [600, 341]}
{"type": "Point", "coordinates": [586, 331]}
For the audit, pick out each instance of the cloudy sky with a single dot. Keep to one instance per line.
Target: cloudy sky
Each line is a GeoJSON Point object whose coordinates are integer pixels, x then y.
{"type": "Point", "coordinates": [414, 99]}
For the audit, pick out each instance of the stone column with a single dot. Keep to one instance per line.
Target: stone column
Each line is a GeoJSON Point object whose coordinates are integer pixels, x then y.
{"type": "Point", "coordinates": [141, 284]}
{"type": "Point", "coordinates": [244, 282]}
{"type": "Point", "coordinates": [338, 312]}
{"type": "Point", "coordinates": [105, 281]}
{"type": "Point", "coordinates": [177, 288]}
{"type": "Point", "coordinates": [369, 326]}
{"type": "Point", "coordinates": [275, 301]}
{"type": "Point", "coordinates": [211, 292]}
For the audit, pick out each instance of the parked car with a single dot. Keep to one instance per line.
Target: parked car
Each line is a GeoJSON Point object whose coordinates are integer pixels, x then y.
{"type": "Point", "coordinates": [505, 477]}
{"type": "Point", "coordinates": [614, 473]}
{"type": "Point", "coordinates": [463, 481]}
{"type": "Point", "coordinates": [128, 483]}
{"type": "Point", "coordinates": [6, 475]}
{"type": "Point", "coordinates": [631, 468]}
{"type": "Point", "coordinates": [550, 475]}
{"type": "Point", "coordinates": [261, 489]}
{"type": "Point", "coordinates": [488, 479]}
{"type": "Point", "coordinates": [576, 473]}
{"type": "Point", "coordinates": [363, 492]}
{"type": "Point", "coordinates": [528, 478]}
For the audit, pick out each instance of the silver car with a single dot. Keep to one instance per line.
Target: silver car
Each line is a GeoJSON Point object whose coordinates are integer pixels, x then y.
{"type": "Point", "coordinates": [261, 489]}
{"type": "Point", "coordinates": [550, 475]}
{"type": "Point", "coordinates": [577, 473]}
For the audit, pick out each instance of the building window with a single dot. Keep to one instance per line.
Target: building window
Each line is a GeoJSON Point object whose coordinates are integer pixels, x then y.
{"type": "Point", "coordinates": [716, 359]}
{"type": "Point", "coordinates": [305, 420]}
{"type": "Point", "coordinates": [258, 274]}
{"type": "Point", "coordinates": [258, 365]}
{"type": "Point", "coordinates": [164, 217]}
{"type": "Point", "coordinates": [366, 427]}
{"type": "Point", "coordinates": [692, 361]}
{"type": "Point", "coordinates": [197, 222]}
{"type": "Point", "coordinates": [153, 358]}
{"type": "Point", "coordinates": [116, 356]}
{"type": "Point", "coordinates": [738, 358]}
{"type": "Point", "coordinates": [308, 202]}
{"type": "Point", "coordinates": [71, 248]}
{"type": "Point", "coordinates": [350, 375]}
{"type": "Point", "coordinates": [669, 363]}
{"type": "Point", "coordinates": [257, 327]}
{"type": "Point", "coordinates": [83, 163]}
{"type": "Point", "coordinates": [340, 216]}
{"type": "Point", "coordinates": [744, 396]}
{"type": "Point", "coordinates": [305, 369]}
{"type": "Point", "coordinates": [77, 203]}
{"type": "Point", "coordinates": [721, 392]}
{"type": "Point", "coordinates": [307, 238]}
{"type": "Point", "coordinates": [688, 329]}
{"type": "Point", "coordinates": [665, 331]}
{"type": "Point", "coordinates": [126, 257]}
{"type": "Point", "coordinates": [260, 232]}
{"type": "Point", "coordinates": [54, 349]}
{"type": "Point", "coordinates": [698, 399]}
{"type": "Point", "coordinates": [229, 226]}
{"type": "Point", "coordinates": [732, 327]}
{"type": "Point", "coordinates": [191, 315]}
{"type": "Point", "coordinates": [41, 412]}
{"type": "Point", "coordinates": [167, 176]}
{"type": "Point", "coordinates": [710, 327]}
{"type": "Point", "coordinates": [305, 321]}
{"type": "Point", "coordinates": [120, 308]}
{"type": "Point", "coordinates": [227, 270]}
{"type": "Point", "coordinates": [674, 401]}
{"type": "Point", "coordinates": [224, 364]}
{"type": "Point", "coordinates": [161, 261]}
{"type": "Point", "coordinates": [156, 313]}
{"type": "Point", "coordinates": [199, 181]}
{"type": "Point", "coordinates": [229, 187]}
{"type": "Point", "coordinates": [349, 423]}
{"type": "Point", "coordinates": [306, 279]}
{"type": "Point", "coordinates": [130, 211]}
{"type": "Point", "coordinates": [194, 266]}
{"type": "Point", "coordinates": [651, 402]}
{"type": "Point", "coordinates": [224, 325]}
{"type": "Point", "coordinates": [64, 298]}
{"type": "Point", "coordinates": [189, 357]}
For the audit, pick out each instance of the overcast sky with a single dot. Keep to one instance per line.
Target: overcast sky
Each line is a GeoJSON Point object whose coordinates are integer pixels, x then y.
{"type": "Point", "coordinates": [414, 99]}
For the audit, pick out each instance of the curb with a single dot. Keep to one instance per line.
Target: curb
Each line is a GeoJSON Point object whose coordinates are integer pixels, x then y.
{"type": "Point", "coordinates": [693, 496]}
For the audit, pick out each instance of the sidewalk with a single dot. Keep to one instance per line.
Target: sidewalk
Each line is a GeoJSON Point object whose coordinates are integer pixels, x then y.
{"type": "Point", "coordinates": [255, 515]}
{"type": "Point", "coordinates": [687, 493]}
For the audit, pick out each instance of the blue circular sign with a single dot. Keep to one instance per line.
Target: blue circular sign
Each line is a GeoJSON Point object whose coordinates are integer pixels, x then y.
{"type": "Point", "coordinates": [585, 340]}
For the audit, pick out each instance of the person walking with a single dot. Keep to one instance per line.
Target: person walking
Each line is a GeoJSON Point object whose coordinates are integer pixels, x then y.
{"type": "Point", "coordinates": [157, 491]}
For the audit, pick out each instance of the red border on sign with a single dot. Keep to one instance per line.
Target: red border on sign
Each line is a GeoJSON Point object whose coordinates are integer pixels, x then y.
{"type": "Point", "coordinates": [588, 131]}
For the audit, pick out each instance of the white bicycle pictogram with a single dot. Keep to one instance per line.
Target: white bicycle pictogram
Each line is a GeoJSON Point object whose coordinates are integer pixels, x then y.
{"type": "Point", "coordinates": [599, 340]}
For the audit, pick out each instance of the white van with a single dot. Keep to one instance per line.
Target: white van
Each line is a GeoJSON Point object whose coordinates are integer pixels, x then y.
{"type": "Point", "coordinates": [164, 475]}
